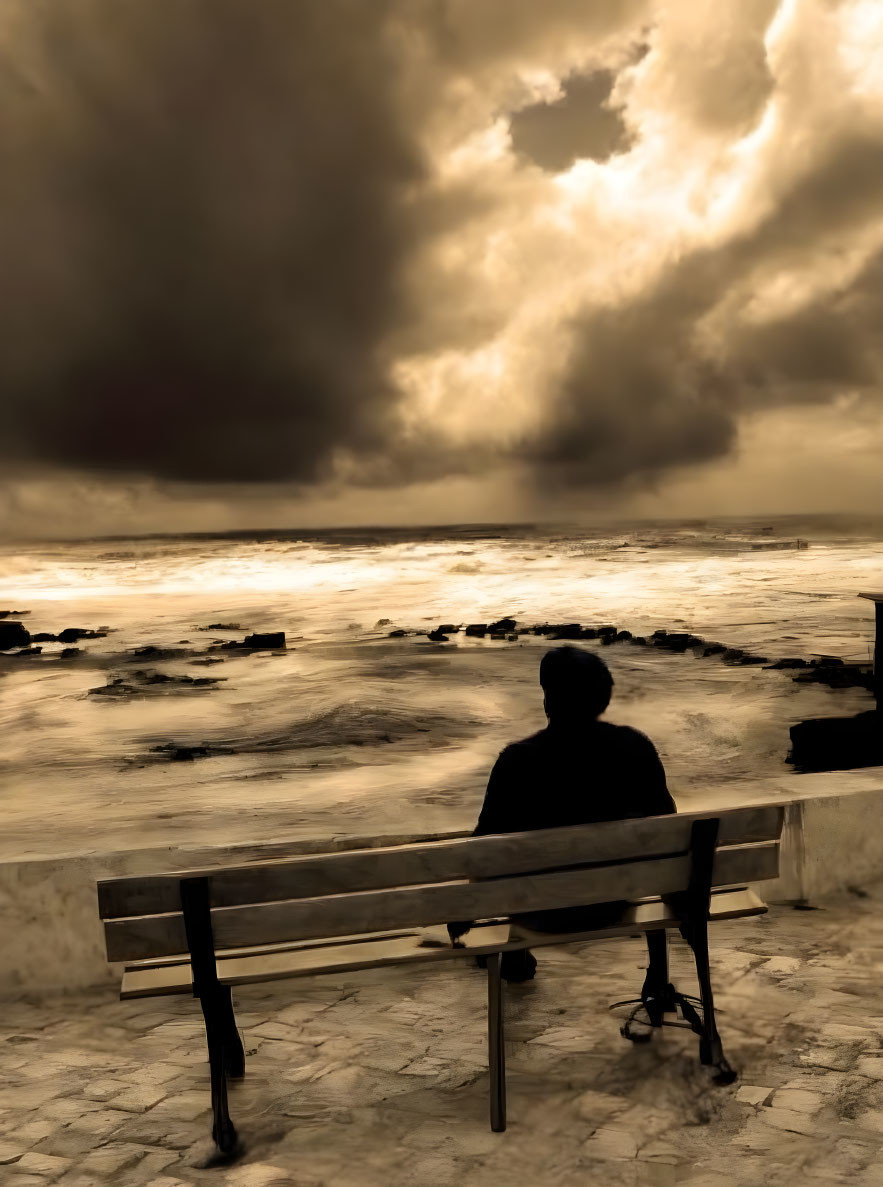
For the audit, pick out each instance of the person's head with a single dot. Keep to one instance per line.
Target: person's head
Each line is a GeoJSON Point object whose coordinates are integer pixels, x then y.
{"type": "Point", "coordinates": [577, 684]}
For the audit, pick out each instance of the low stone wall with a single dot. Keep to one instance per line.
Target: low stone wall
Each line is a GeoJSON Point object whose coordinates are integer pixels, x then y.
{"type": "Point", "coordinates": [51, 938]}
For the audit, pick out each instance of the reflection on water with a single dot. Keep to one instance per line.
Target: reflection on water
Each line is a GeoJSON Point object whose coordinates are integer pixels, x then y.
{"type": "Point", "coordinates": [352, 731]}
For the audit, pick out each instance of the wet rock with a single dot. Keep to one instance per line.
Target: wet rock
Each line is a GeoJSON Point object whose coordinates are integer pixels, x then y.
{"type": "Point", "coordinates": [837, 676]}
{"type": "Point", "coordinates": [382, 622]}
{"type": "Point", "coordinates": [44, 637]}
{"type": "Point", "coordinates": [221, 626]}
{"type": "Point", "coordinates": [147, 682]}
{"type": "Point", "coordinates": [477, 629]}
{"type": "Point", "coordinates": [437, 636]}
{"type": "Point", "coordinates": [838, 743]}
{"type": "Point", "coordinates": [713, 649]}
{"type": "Point", "coordinates": [503, 625]}
{"type": "Point", "coordinates": [732, 654]}
{"type": "Point", "coordinates": [9, 613]}
{"type": "Point", "coordinates": [398, 633]}
{"type": "Point", "coordinates": [13, 634]}
{"type": "Point", "coordinates": [623, 636]}
{"type": "Point", "coordinates": [639, 641]}
{"type": "Point", "coordinates": [73, 634]}
{"type": "Point", "coordinates": [565, 630]}
{"type": "Point", "coordinates": [270, 641]}
{"type": "Point", "coordinates": [789, 662]}
{"type": "Point", "coordinates": [448, 628]}
{"type": "Point", "coordinates": [512, 637]}
{"type": "Point", "coordinates": [177, 753]}
{"type": "Point", "coordinates": [208, 659]}
{"type": "Point", "coordinates": [27, 652]}
{"type": "Point", "coordinates": [152, 652]}
{"type": "Point", "coordinates": [672, 641]}
{"type": "Point", "coordinates": [606, 630]}
{"type": "Point", "coordinates": [588, 632]}
{"type": "Point", "coordinates": [827, 661]}
{"type": "Point", "coordinates": [500, 636]}
{"type": "Point", "coordinates": [70, 652]}
{"type": "Point", "coordinates": [750, 660]}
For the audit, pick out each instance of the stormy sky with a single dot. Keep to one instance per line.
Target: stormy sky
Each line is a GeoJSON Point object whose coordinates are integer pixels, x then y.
{"type": "Point", "coordinates": [270, 263]}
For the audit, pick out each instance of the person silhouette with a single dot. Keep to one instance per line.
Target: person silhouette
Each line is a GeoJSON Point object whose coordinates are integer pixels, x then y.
{"type": "Point", "coordinates": [578, 770]}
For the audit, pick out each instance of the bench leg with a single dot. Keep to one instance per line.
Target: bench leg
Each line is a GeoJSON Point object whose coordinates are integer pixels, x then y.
{"type": "Point", "coordinates": [496, 1050]}
{"type": "Point", "coordinates": [234, 1053]}
{"type": "Point", "coordinates": [215, 1012]}
{"type": "Point", "coordinates": [711, 1052]}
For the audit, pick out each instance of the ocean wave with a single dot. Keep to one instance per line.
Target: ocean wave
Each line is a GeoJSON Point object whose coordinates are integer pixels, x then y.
{"type": "Point", "coordinates": [340, 727]}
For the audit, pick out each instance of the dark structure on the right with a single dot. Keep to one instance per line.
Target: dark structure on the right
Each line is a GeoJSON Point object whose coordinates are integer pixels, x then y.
{"type": "Point", "coordinates": [838, 743]}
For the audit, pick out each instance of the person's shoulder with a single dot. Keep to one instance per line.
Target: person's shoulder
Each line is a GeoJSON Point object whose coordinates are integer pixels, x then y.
{"type": "Point", "coordinates": [627, 735]}
{"type": "Point", "coordinates": [524, 746]}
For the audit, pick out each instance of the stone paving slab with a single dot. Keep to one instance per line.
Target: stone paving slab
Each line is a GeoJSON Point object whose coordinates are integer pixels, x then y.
{"type": "Point", "coordinates": [381, 1076]}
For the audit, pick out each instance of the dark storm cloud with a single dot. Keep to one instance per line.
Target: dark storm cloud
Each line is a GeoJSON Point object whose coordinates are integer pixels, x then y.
{"type": "Point", "coordinates": [203, 213]}
{"type": "Point", "coordinates": [582, 123]}
{"type": "Point", "coordinates": [661, 380]}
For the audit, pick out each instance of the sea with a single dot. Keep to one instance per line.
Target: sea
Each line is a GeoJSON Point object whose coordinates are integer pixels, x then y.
{"type": "Point", "coordinates": [352, 731]}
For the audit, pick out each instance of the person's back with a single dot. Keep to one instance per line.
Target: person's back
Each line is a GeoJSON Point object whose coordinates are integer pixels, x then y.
{"type": "Point", "coordinates": [578, 770]}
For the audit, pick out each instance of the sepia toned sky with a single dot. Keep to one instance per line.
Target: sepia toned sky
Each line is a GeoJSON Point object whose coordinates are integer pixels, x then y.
{"type": "Point", "coordinates": [269, 263]}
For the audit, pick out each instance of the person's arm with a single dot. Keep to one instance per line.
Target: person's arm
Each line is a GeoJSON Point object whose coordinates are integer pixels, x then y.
{"type": "Point", "coordinates": [496, 811]}
{"type": "Point", "coordinates": [653, 796]}
{"type": "Point", "coordinates": [491, 818]}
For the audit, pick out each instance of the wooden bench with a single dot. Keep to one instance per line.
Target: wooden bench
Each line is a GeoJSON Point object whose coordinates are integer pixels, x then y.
{"type": "Point", "coordinates": [203, 931]}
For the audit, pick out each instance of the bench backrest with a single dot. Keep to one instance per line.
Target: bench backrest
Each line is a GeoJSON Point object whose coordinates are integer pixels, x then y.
{"type": "Point", "coordinates": [406, 886]}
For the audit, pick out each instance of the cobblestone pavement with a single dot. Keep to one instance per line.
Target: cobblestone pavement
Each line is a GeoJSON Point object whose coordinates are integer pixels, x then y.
{"type": "Point", "coordinates": [381, 1077]}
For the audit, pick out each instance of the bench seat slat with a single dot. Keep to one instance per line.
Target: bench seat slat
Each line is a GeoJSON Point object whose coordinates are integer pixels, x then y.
{"type": "Point", "coordinates": [299, 960]}
{"type": "Point", "coordinates": [434, 861]}
{"type": "Point", "coordinates": [344, 914]}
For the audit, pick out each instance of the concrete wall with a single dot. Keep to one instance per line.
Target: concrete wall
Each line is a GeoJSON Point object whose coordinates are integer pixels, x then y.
{"type": "Point", "coordinates": [51, 938]}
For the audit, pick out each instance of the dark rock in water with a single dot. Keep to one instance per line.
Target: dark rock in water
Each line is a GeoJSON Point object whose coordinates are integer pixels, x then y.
{"type": "Point", "coordinates": [25, 652]}
{"type": "Point", "coordinates": [504, 624]}
{"type": "Point", "coordinates": [221, 626]}
{"type": "Point", "coordinates": [748, 660]}
{"type": "Point", "coordinates": [175, 753]}
{"type": "Point", "coordinates": [398, 633]}
{"type": "Point", "coordinates": [271, 641]}
{"type": "Point", "coordinates": [477, 629]}
{"type": "Point", "coordinates": [827, 661]}
{"type": "Point", "coordinates": [565, 630]}
{"type": "Point", "coordinates": [448, 628]}
{"type": "Point", "coordinates": [151, 652]}
{"type": "Point", "coordinates": [623, 636]}
{"type": "Point", "coordinates": [437, 636]}
{"type": "Point", "coordinates": [732, 654]}
{"type": "Point", "coordinates": [73, 634]}
{"type": "Point", "coordinates": [208, 659]}
{"type": "Point", "coordinates": [588, 632]}
{"type": "Point", "coordinates": [607, 640]}
{"type": "Point", "coordinates": [787, 663]}
{"type": "Point", "coordinates": [145, 682]}
{"type": "Point", "coordinates": [606, 630]}
{"type": "Point", "coordinates": [9, 613]}
{"type": "Point", "coordinates": [500, 636]}
{"type": "Point", "coordinates": [674, 641]}
{"type": "Point", "coordinates": [713, 649]}
{"type": "Point", "coordinates": [70, 652]}
{"type": "Point", "coordinates": [837, 676]}
{"type": "Point", "coordinates": [13, 634]}
{"type": "Point", "coordinates": [44, 637]}
{"type": "Point", "coordinates": [512, 637]}
{"type": "Point", "coordinates": [658, 635]}
{"type": "Point", "coordinates": [639, 640]}
{"type": "Point", "coordinates": [382, 622]}
{"type": "Point", "coordinates": [838, 743]}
